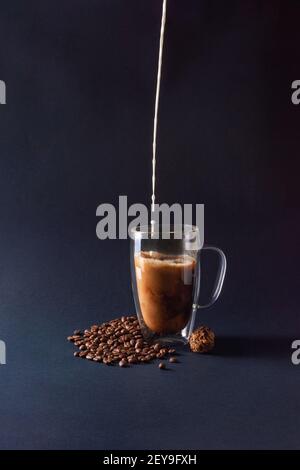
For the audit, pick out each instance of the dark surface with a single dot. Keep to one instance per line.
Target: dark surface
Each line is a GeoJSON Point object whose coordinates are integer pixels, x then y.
{"type": "Point", "coordinates": [76, 132]}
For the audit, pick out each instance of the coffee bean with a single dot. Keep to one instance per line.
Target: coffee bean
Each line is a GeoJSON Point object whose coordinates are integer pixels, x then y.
{"type": "Point", "coordinates": [97, 359]}
{"type": "Point", "coordinates": [132, 360]}
{"type": "Point", "coordinates": [122, 363]}
{"type": "Point", "coordinates": [162, 365]}
{"type": "Point", "coordinates": [75, 338]}
{"type": "Point", "coordinates": [173, 359]}
{"type": "Point", "coordinates": [76, 353]}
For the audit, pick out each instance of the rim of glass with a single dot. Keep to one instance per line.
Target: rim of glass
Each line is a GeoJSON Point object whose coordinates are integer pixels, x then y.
{"type": "Point", "coordinates": [164, 229]}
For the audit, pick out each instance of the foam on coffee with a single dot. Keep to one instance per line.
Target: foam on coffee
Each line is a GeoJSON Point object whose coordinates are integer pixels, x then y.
{"type": "Point", "coordinates": [165, 289]}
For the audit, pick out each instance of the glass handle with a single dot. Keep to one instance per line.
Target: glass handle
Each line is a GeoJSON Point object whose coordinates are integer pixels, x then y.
{"type": "Point", "coordinates": [220, 276]}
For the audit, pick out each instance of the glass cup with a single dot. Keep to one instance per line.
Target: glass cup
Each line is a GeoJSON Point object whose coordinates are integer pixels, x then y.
{"type": "Point", "coordinates": [165, 271]}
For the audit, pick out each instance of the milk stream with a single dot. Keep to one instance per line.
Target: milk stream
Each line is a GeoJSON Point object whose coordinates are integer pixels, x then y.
{"type": "Point", "coordinates": [155, 123]}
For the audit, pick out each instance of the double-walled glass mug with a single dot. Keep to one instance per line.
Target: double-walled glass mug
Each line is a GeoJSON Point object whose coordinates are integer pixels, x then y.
{"type": "Point", "coordinates": [165, 270]}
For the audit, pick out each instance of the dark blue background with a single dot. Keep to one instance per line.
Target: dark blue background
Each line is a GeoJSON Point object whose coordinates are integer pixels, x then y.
{"type": "Point", "coordinates": [76, 132]}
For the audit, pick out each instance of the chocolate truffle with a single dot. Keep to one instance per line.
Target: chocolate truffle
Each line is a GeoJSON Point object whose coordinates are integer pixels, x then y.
{"type": "Point", "coordinates": [202, 340]}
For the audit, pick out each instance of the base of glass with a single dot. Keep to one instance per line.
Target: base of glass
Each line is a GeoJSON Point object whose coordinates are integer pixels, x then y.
{"type": "Point", "coordinates": [168, 339]}
{"type": "Point", "coordinates": [171, 340]}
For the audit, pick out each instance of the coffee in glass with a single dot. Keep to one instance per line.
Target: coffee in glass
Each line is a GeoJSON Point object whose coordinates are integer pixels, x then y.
{"type": "Point", "coordinates": [166, 280]}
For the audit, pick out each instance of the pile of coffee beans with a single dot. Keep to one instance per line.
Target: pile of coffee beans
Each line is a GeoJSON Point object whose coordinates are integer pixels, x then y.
{"type": "Point", "coordinates": [119, 341]}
